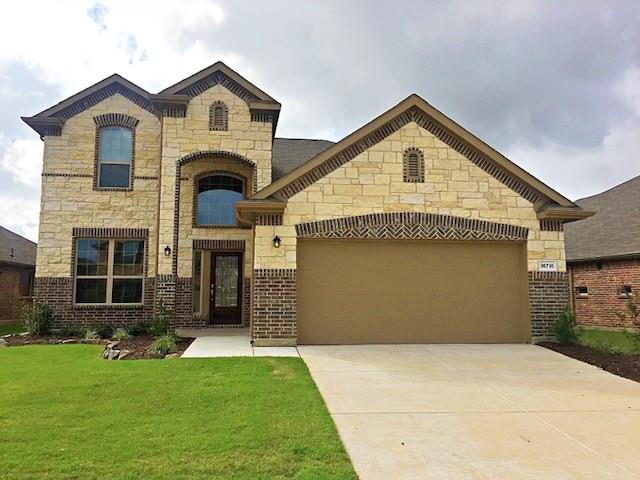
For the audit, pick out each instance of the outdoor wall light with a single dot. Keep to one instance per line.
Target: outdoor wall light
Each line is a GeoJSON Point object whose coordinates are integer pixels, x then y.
{"type": "Point", "coordinates": [276, 241]}
{"type": "Point", "coordinates": [167, 251]}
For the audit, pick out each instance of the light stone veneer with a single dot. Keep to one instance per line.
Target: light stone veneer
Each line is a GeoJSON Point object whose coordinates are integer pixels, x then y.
{"type": "Point", "coordinates": [68, 202]}
{"type": "Point", "coordinates": [373, 183]}
{"type": "Point", "coordinates": [182, 136]}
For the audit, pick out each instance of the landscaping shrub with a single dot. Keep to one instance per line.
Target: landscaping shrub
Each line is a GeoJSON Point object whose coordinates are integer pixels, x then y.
{"type": "Point", "coordinates": [160, 324]}
{"type": "Point", "coordinates": [564, 329]}
{"type": "Point", "coordinates": [139, 328]}
{"type": "Point", "coordinates": [37, 318]}
{"type": "Point", "coordinates": [163, 345]}
{"type": "Point", "coordinates": [91, 334]}
{"type": "Point", "coordinates": [105, 330]}
{"type": "Point", "coordinates": [121, 334]}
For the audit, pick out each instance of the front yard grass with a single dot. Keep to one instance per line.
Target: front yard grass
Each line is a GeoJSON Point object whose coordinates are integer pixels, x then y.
{"type": "Point", "coordinates": [608, 340]}
{"type": "Point", "coordinates": [65, 413]}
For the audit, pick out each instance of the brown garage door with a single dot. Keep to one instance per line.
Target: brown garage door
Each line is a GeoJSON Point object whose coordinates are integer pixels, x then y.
{"type": "Point", "coordinates": [379, 291]}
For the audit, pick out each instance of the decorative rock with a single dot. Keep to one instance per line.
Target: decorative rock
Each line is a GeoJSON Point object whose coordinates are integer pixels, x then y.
{"type": "Point", "coordinates": [3, 343]}
{"type": "Point", "coordinates": [53, 341]}
{"type": "Point", "coordinates": [92, 341]}
{"type": "Point", "coordinates": [125, 355]}
{"type": "Point", "coordinates": [155, 355]}
{"type": "Point", "coordinates": [68, 340]}
{"type": "Point", "coordinates": [113, 344]}
{"type": "Point", "coordinates": [171, 356]}
{"type": "Point", "coordinates": [113, 354]}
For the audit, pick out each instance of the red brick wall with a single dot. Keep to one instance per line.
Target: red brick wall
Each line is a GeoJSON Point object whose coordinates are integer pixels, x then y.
{"type": "Point", "coordinates": [11, 301]}
{"type": "Point", "coordinates": [274, 305]}
{"type": "Point", "coordinates": [599, 308]}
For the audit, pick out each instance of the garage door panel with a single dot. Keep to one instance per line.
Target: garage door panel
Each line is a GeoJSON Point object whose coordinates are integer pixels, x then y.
{"type": "Point", "coordinates": [352, 291]}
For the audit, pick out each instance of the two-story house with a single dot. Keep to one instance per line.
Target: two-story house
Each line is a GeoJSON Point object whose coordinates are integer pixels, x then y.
{"type": "Point", "coordinates": [410, 229]}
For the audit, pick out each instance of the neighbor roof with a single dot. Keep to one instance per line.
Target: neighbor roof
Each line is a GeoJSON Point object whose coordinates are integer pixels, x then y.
{"type": "Point", "coordinates": [614, 230]}
{"type": "Point", "coordinates": [552, 204]}
{"type": "Point", "coordinates": [15, 249]}
{"type": "Point", "coordinates": [290, 153]}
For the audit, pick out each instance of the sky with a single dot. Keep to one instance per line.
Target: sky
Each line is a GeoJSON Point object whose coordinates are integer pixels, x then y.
{"type": "Point", "coordinates": [555, 86]}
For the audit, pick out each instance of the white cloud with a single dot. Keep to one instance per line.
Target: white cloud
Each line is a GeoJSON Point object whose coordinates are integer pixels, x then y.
{"type": "Point", "coordinates": [21, 160]}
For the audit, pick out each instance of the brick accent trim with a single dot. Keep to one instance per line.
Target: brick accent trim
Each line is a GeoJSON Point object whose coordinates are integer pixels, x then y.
{"type": "Point", "coordinates": [214, 79]}
{"type": "Point", "coordinates": [411, 115]}
{"type": "Point", "coordinates": [196, 179]}
{"type": "Point", "coordinates": [551, 226]}
{"type": "Point", "coordinates": [102, 94]}
{"type": "Point", "coordinates": [411, 225]}
{"type": "Point", "coordinates": [548, 297]}
{"type": "Point", "coordinates": [225, 116]}
{"type": "Point", "coordinates": [74, 175]}
{"type": "Point", "coordinates": [118, 120]}
{"type": "Point", "coordinates": [219, 244]}
{"type": "Point", "coordinates": [417, 176]}
{"type": "Point", "coordinates": [107, 232]}
{"type": "Point", "coordinates": [274, 304]}
{"type": "Point", "coordinates": [269, 219]}
{"type": "Point", "coordinates": [262, 117]}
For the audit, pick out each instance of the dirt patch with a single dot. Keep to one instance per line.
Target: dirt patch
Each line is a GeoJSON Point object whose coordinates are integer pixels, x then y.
{"type": "Point", "coordinates": [625, 365]}
{"type": "Point", "coordinates": [138, 346]}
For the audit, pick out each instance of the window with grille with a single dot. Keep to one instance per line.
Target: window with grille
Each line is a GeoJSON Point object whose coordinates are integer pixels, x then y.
{"type": "Point", "coordinates": [218, 116]}
{"type": "Point", "coordinates": [115, 151]}
{"type": "Point", "coordinates": [216, 199]}
{"type": "Point", "coordinates": [413, 165]}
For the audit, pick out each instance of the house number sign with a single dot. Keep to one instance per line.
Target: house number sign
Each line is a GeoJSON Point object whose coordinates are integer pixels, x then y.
{"type": "Point", "coordinates": [547, 265]}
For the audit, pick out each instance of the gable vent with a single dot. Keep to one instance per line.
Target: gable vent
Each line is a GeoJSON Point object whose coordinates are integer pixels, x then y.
{"type": "Point", "coordinates": [413, 165]}
{"type": "Point", "coordinates": [218, 116]}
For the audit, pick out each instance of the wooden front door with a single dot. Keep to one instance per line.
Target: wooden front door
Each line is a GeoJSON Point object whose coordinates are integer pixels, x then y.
{"type": "Point", "coordinates": [226, 289]}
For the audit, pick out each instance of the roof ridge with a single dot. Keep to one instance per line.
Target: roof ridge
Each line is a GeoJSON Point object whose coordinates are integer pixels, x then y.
{"type": "Point", "coordinates": [619, 185]}
{"type": "Point", "coordinates": [18, 235]}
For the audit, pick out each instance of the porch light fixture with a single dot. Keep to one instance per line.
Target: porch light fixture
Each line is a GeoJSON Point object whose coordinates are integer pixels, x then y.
{"type": "Point", "coordinates": [276, 241]}
{"type": "Point", "coordinates": [167, 251]}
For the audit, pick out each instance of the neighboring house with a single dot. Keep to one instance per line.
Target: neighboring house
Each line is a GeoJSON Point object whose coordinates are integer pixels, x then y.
{"type": "Point", "coordinates": [17, 267]}
{"type": "Point", "coordinates": [410, 229]}
{"type": "Point", "coordinates": [604, 256]}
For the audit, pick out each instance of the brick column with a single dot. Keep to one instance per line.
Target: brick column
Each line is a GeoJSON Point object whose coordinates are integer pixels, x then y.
{"type": "Point", "coordinates": [274, 307]}
{"type": "Point", "coordinates": [548, 297]}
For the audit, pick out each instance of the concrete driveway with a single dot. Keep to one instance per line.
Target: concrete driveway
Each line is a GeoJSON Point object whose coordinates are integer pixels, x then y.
{"type": "Point", "coordinates": [478, 412]}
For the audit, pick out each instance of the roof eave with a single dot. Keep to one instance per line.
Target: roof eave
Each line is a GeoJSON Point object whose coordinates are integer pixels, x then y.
{"type": "Point", "coordinates": [597, 258]}
{"type": "Point", "coordinates": [564, 214]}
{"type": "Point", "coordinates": [43, 125]}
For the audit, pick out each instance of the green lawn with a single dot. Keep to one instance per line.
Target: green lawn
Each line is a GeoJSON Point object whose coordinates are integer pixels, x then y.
{"type": "Point", "coordinates": [606, 339]}
{"type": "Point", "coordinates": [7, 328]}
{"type": "Point", "coordinates": [65, 413]}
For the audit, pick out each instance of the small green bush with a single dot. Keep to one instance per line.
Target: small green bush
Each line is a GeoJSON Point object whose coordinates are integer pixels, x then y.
{"type": "Point", "coordinates": [163, 345]}
{"type": "Point", "coordinates": [70, 331]}
{"type": "Point", "coordinates": [564, 329]}
{"type": "Point", "coordinates": [139, 328]}
{"type": "Point", "coordinates": [37, 318]}
{"type": "Point", "coordinates": [105, 330]}
{"type": "Point", "coordinates": [160, 323]}
{"type": "Point", "coordinates": [91, 334]}
{"type": "Point", "coordinates": [121, 334]}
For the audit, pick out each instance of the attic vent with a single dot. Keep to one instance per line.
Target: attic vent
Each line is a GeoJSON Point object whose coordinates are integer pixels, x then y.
{"type": "Point", "coordinates": [413, 165]}
{"type": "Point", "coordinates": [218, 116]}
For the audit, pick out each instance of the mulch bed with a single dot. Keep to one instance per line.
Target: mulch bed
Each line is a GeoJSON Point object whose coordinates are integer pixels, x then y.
{"type": "Point", "coordinates": [137, 345]}
{"type": "Point", "coordinates": [625, 365]}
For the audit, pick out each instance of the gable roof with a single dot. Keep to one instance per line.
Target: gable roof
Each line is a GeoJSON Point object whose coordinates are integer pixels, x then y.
{"type": "Point", "coordinates": [414, 108]}
{"type": "Point", "coordinates": [51, 120]}
{"type": "Point", "coordinates": [290, 153]}
{"type": "Point", "coordinates": [15, 249]}
{"type": "Point", "coordinates": [614, 230]}
{"type": "Point", "coordinates": [186, 86]}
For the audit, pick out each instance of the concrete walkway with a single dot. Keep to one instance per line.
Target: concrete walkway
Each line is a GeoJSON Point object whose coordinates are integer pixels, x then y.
{"type": "Point", "coordinates": [229, 342]}
{"type": "Point", "coordinates": [478, 412]}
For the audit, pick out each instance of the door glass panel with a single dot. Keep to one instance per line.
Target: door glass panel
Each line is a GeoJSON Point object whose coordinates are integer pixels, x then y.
{"type": "Point", "coordinates": [226, 282]}
{"type": "Point", "coordinates": [197, 272]}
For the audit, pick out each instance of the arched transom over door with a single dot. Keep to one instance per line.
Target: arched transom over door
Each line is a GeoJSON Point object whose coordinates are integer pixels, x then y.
{"type": "Point", "coordinates": [413, 279]}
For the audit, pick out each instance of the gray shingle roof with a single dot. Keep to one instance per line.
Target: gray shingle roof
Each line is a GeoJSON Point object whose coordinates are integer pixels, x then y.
{"type": "Point", "coordinates": [290, 153]}
{"type": "Point", "coordinates": [614, 231]}
{"type": "Point", "coordinates": [24, 251]}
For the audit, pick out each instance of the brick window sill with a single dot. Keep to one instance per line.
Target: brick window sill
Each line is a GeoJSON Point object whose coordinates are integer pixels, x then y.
{"type": "Point", "coordinates": [126, 306]}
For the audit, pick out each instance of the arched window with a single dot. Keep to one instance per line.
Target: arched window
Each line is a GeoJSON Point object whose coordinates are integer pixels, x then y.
{"type": "Point", "coordinates": [218, 116]}
{"type": "Point", "coordinates": [115, 148]}
{"type": "Point", "coordinates": [413, 165]}
{"type": "Point", "coordinates": [216, 200]}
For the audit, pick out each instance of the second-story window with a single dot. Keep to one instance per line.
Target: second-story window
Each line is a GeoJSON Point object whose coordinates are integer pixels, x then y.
{"type": "Point", "coordinates": [218, 116]}
{"type": "Point", "coordinates": [114, 157]}
{"type": "Point", "coordinates": [216, 200]}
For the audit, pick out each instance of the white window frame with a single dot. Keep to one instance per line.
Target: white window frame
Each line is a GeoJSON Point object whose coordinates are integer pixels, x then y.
{"type": "Point", "coordinates": [109, 276]}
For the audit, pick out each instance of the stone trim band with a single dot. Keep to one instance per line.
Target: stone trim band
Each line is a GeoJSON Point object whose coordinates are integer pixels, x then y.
{"type": "Point", "coordinates": [411, 225]}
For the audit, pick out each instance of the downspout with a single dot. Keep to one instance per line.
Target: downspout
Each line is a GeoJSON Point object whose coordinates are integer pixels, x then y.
{"type": "Point", "coordinates": [157, 262]}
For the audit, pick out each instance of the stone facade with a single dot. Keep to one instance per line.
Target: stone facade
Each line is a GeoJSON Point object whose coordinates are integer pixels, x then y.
{"type": "Point", "coordinates": [458, 195]}
{"type": "Point", "coordinates": [604, 301]}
